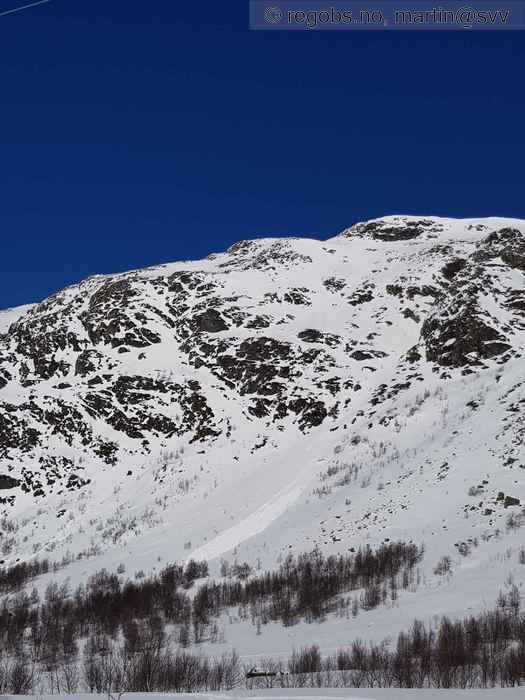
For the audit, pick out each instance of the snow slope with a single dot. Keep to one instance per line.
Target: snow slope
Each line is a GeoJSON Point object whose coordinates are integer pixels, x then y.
{"type": "Point", "coordinates": [283, 395]}
{"type": "Point", "coordinates": [9, 316]}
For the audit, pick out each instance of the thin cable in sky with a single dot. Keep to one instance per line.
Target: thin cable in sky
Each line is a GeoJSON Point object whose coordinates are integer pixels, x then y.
{"type": "Point", "coordinates": [24, 7]}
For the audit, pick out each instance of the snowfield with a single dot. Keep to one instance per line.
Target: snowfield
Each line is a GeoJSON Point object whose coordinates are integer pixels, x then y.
{"type": "Point", "coordinates": [312, 694]}
{"type": "Point", "coordinates": [9, 316]}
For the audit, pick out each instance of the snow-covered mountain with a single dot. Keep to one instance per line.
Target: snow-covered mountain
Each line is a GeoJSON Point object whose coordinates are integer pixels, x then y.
{"type": "Point", "coordinates": [284, 394]}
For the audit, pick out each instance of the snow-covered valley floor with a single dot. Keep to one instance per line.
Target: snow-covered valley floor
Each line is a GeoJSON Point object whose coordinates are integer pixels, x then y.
{"type": "Point", "coordinates": [310, 694]}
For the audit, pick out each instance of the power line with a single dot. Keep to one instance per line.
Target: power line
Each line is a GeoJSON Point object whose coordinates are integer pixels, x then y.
{"type": "Point", "coordinates": [24, 7]}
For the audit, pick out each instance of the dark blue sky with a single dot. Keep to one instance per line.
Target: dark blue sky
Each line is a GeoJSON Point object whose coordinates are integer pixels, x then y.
{"type": "Point", "coordinates": [141, 132]}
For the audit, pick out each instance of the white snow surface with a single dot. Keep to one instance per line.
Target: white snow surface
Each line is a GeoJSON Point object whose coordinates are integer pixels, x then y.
{"type": "Point", "coordinates": [312, 694]}
{"type": "Point", "coordinates": [9, 316]}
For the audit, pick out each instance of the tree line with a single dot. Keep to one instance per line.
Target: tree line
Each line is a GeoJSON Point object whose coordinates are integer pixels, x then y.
{"type": "Point", "coordinates": [308, 587]}
{"type": "Point", "coordinates": [483, 651]}
{"type": "Point", "coordinates": [116, 619]}
{"type": "Point", "coordinates": [15, 577]}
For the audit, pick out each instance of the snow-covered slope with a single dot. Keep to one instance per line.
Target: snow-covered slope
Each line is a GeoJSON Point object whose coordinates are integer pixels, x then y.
{"type": "Point", "coordinates": [9, 316]}
{"type": "Point", "coordinates": [285, 394]}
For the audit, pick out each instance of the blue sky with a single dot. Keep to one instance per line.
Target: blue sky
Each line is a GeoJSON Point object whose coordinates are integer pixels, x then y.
{"type": "Point", "coordinates": [133, 133]}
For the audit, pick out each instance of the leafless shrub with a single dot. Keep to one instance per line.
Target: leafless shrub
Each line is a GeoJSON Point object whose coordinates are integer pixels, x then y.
{"type": "Point", "coordinates": [475, 490]}
{"type": "Point", "coordinates": [444, 566]}
{"type": "Point", "coordinates": [513, 521]}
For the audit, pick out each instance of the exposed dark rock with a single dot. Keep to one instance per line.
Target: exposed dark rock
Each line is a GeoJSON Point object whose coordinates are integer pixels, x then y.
{"type": "Point", "coordinates": [463, 339]}
{"type": "Point", "coordinates": [452, 268]}
{"type": "Point", "coordinates": [210, 321]}
{"type": "Point", "coordinates": [311, 335]}
{"type": "Point", "coordinates": [514, 260]}
{"type": "Point", "coordinates": [258, 322]}
{"type": "Point", "coordinates": [8, 482]}
{"type": "Point", "coordinates": [410, 313]}
{"type": "Point", "coordinates": [334, 285]}
{"type": "Point", "coordinates": [88, 361]}
{"type": "Point", "coordinates": [406, 229]}
{"type": "Point", "coordinates": [297, 296]}
{"type": "Point", "coordinates": [361, 355]}
{"type": "Point", "coordinates": [395, 290]}
{"type": "Point", "coordinates": [360, 297]}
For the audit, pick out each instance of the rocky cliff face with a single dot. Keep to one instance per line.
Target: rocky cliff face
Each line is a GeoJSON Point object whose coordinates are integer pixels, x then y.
{"type": "Point", "coordinates": [133, 402]}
